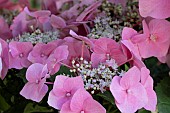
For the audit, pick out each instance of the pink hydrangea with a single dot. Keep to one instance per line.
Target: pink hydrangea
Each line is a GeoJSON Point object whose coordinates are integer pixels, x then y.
{"type": "Point", "coordinates": [41, 52]}
{"type": "Point", "coordinates": [4, 59]}
{"type": "Point", "coordinates": [76, 50]}
{"type": "Point", "coordinates": [5, 32]}
{"type": "Point", "coordinates": [63, 90]}
{"type": "Point", "coordinates": [130, 38]}
{"type": "Point", "coordinates": [130, 95]}
{"type": "Point", "coordinates": [105, 49]}
{"type": "Point", "coordinates": [165, 59]}
{"type": "Point", "coordinates": [154, 8]}
{"type": "Point", "coordinates": [35, 89]}
{"type": "Point", "coordinates": [82, 102]}
{"type": "Point", "coordinates": [18, 53]}
{"type": "Point", "coordinates": [157, 38]}
{"type": "Point", "coordinates": [147, 82]}
{"type": "Point", "coordinates": [54, 60]}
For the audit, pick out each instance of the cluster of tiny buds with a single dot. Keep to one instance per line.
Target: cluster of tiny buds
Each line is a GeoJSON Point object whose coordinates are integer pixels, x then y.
{"type": "Point", "coordinates": [109, 26]}
{"type": "Point", "coordinates": [37, 37]}
{"type": "Point", "coordinates": [95, 79]}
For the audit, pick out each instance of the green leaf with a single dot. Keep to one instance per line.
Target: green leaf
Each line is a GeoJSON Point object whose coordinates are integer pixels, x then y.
{"type": "Point", "coordinates": [3, 104]}
{"type": "Point", "coordinates": [30, 108]}
{"type": "Point", "coordinates": [163, 95]}
{"type": "Point", "coordinates": [107, 95]}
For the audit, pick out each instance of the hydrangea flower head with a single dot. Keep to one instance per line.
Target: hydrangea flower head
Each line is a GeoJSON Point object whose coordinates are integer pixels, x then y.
{"type": "Point", "coordinates": [147, 82]}
{"type": "Point", "coordinates": [18, 53]}
{"type": "Point", "coordinates": [35, 89]}
{"type": "Point", "coordinates": [40, 53]}
{"type": "Point", "coordinates": [63, 90]}
{"type": "Point", "coordinates": [130, 95]}
{"type": "Point", "coordinates": [82, 102]}
{"type": "Point", "coordinates": [106, 49]}
{"type": "Point", "coordinates": [4, 58]}
{"type": "Point", "coordinates": [58, 55]}
{"type": "Point", "coordinates": [157, 38]}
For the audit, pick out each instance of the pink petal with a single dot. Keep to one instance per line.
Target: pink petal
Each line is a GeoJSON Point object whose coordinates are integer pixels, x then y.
{"type": "Point", "coordinates": [135, 100]}
{"type": "Point", "coordinates": [92, 106]}
{"type": "Point", "coordinates": [127, 33]}
{"type": "Point", "coordinates": [4, 55]}
{"type": "Point", "coordinates": [34, 72]}
{"type": "Point", "coordinates": [61, 53]}
{"type": "Point", "coordinates": [88, 10]}
{"type": "Point", "coordinates": [59, 82]}
{"type": "Point", "coordinates": [32, 91]}
{"type": "Point", "coordinates": [5, 32]}
{"type": "Point", "coordinates": [57, 99]}
{"type": "Point", "coordinates": [97, 58]}
{"type": "Point", "coordinates": [154, 8]}
{"type": "Point", "coordinates": [77, 101]}
{"type": "Point", "coordinates": [130, 78]}
{"type": "Point", "coordinates": [152, 100]}
{"type": "Point", "coordinates": [57, 22]}
{"type": "Point", "coordinates": [40, 53]}
{"type": "Point", "coordinates": [66, 108]}
{"type": "Point", "coordinates": [117, 91]}
{"type": "Point", "coordinates": [73, 84]}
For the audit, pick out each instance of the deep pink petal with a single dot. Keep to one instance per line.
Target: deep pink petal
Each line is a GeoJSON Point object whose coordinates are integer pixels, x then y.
{"type": "Point", "coordinates": [57, 22]}
{"type": "Point", "coordinates": [154, 8]}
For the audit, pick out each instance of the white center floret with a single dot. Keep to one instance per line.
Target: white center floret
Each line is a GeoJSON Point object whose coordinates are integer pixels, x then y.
{"type": "Point", "coordinates": [21, 55]}
{"type": "Point", "coordinates": [129, 91]}
{"type": "Point", "coordinates": [82, 112]}
{"type": "Point", "coordinates": [42, 55]}
{"type": "Point", "coordinates": [153, 37]}
{"type": "Point", "coordinates": [68, 94]}
{"type": "Point", "coordinates": [37, 81]}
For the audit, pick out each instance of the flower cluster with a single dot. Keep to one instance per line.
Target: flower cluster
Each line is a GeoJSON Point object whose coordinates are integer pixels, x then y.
{"type": "Point", "coordinates": [95, 40]}
{"type": "Point", "coordinates": [95, 79]}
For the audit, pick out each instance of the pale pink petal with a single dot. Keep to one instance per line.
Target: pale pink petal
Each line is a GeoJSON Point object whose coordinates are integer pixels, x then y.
{"type": "Point", "coordinates": [61, 53]}
{"type": "Point", "coordinates": [73, 84]}
{"type": "Point", "coordinates": [57, 99]}
{"type": "Point", "coordinates": [34, 72]}
{"type": "Point", "coordinates": [127, 33]}
{"type": "Point", "coordinates": [59, 81]}
{"type": "Point", "coordinates": [117, 91]}
{"type": "Point", "coordinates": [66, 108]}
{"type": "Point", "coordinates": [32, 91]}
{"type": "Point", "coordinates": [88, 10]}
{"type": "Point", "coordinates": [130, 78]}
{"type": "Point", "coordinates": [152, 100]}
{"type": "Point", "coordinates": [135, 100]}
{"type": "Point", "coordinates": [77, 101]}
{"type": "Point", "coordinates": [92, 106]}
